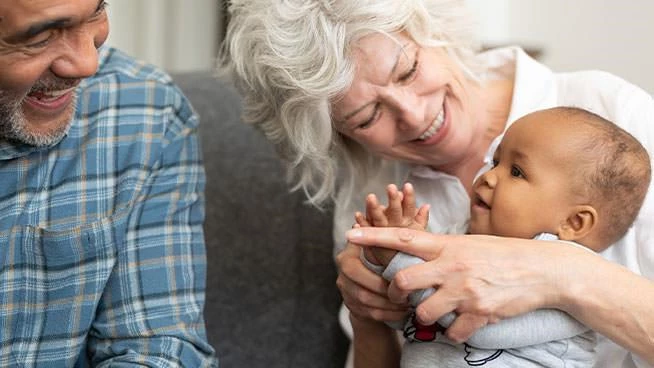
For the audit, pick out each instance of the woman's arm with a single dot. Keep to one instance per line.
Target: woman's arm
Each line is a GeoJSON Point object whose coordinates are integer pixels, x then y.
{"type": "Point", "coordinates": [487, 279]}
{"type": "Point", "coordinates": [615, 302]}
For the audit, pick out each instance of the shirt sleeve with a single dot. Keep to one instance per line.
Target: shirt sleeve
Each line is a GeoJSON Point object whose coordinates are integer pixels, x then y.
{"type": "Point", "coordinates": [151, 311]}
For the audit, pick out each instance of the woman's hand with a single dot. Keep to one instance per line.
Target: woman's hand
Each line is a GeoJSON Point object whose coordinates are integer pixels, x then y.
{"type": "Point", "coordinates": [364, 292]}
{"type": "Point", "coordinates": [481, 278]}
{"type": "Point", "coordinates": [485, 279]}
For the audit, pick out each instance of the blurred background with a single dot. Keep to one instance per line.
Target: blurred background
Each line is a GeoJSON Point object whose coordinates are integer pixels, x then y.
{"type": "Point", "coordinates": [615, 36]}
{"type": "Point", "coordinates": [178, 35]}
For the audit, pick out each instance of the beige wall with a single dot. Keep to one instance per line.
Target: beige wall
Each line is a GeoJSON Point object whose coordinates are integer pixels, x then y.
{"type": "Point", "coordinates": [616, 36]}
{"type": "Point", "coordinates": [179, 35]}
{"type": "Point", "coordinates": [610, 35]}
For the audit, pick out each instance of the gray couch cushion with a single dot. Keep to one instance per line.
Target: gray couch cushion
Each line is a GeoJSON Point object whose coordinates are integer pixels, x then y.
{"type": "Point", "coordinates": [271, 295]}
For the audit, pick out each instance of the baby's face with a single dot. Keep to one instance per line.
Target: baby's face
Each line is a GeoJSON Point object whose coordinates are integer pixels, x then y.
{"type": "Point", "coordinates": [527, 192]}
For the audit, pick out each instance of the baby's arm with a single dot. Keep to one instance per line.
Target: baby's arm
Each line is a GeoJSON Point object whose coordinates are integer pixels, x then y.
{"type": "Point", "coordinates": [401, 211]}
{"type": "Point", "coordinates": [533, 328]}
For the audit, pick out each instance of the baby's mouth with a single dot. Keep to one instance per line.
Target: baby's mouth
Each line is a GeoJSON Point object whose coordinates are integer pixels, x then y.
{"type": "Point", "coordinates": [481, 203]}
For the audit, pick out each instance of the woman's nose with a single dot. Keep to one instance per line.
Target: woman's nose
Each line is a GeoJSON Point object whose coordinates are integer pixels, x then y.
{"type": "Point", "coordinates": [409, 110]}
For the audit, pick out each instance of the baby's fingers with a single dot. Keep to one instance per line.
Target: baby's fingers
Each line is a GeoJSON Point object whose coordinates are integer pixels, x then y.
{"type": "Point", "coordinates": [409, 200]}
{"type": "Point", "coordinates": [361, 219]}
{"type": "Point", "coordinates": [375, 212]}
{"type": "Point", "coordinates": [422, 217]}
{"type": "Point", "coordinates": [394, 210]}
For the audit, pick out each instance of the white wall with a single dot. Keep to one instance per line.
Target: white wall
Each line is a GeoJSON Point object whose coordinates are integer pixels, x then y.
{"type": "Point", "coordinates": [616, 36]}
{"type": "Point", "coordinates": [178, 35]}
{"type": "Point", "coordinates": [611, 35]}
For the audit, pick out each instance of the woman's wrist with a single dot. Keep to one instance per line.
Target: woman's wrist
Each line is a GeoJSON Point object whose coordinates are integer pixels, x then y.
{"type": "Point", "coordinates": [605, 296]}
{"type": "Point", "coordinates": [552, 274]}
{"type": "Point", "coordinates": [570, 269]}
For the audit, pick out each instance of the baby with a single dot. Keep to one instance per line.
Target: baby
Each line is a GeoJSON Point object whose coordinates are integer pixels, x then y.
{"type": "Point", "coordinates": [561, 173]}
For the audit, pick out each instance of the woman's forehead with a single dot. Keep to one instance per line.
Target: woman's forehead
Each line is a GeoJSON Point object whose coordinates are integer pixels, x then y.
{"type": "Point", "coordinates": [376, 58]}
{"type": "Point", "coordinates": [377, 44]}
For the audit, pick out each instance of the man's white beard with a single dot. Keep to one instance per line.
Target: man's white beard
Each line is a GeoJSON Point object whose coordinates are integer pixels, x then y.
{"type": "Point", "coordinates": [15, 127]}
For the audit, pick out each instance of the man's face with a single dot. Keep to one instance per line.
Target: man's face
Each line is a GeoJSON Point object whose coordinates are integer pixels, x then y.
{"type": "Point", "coordinates": [46, 48]}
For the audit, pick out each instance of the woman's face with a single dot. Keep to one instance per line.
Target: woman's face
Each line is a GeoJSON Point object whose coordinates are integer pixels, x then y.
{"type": "Point", "coordinates": [409, 103]}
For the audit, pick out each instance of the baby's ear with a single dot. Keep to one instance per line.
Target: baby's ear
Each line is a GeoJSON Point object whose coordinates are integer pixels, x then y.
{"type": "Point", "coordinates": [579, 223]}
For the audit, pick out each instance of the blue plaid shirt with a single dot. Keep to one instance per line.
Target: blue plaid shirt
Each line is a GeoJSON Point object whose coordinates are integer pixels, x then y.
{"type": "Point", "coordinates": [101, 244]}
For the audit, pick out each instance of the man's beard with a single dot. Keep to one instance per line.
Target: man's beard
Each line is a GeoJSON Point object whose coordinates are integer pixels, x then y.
{"type": "Point", "coordinates": [14, 126]}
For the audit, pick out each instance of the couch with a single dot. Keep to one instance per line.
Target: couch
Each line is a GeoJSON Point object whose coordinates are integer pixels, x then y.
{"type": "Point", "coordinates": [271, 296]}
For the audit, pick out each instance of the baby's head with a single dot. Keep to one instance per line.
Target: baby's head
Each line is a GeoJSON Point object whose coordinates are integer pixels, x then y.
{"type": "Point", "coordinates": [564, 171]}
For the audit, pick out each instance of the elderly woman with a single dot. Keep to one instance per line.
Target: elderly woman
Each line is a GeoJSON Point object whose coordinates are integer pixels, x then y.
{"type": "Point", "coordinates": [357, 94]}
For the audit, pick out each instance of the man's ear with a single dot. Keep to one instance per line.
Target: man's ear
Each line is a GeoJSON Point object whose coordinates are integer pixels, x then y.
{"type": "Point", "coordinates": [579, 223]}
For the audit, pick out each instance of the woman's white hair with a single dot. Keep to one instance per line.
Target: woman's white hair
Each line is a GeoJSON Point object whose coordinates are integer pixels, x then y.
{"type": "Point", "coordinates": [290, 58]}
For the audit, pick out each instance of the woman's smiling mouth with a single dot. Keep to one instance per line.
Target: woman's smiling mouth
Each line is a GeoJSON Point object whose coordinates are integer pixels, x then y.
{"type": "Point", "coordinates": [434, 127]}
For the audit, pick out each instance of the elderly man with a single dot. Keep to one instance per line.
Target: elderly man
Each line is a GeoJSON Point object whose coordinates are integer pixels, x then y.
{"type": "Point", "coordinates": [101, 199]}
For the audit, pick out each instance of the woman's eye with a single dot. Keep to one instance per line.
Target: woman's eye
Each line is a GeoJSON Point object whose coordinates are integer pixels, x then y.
{"type": "Point", "coordinates": [366, 124]}
{"type": "Point", "coordinates": [101, 8]}
{"type": "Point", "coordinates": [410, 73]}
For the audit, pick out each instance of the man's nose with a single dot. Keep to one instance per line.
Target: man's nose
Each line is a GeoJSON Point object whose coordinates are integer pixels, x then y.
{"type": "Point", "coordinates": [78, 57]}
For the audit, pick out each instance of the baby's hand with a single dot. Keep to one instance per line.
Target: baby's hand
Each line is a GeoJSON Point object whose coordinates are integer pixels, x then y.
{"type": "Point", "coordinates": [400, 212]}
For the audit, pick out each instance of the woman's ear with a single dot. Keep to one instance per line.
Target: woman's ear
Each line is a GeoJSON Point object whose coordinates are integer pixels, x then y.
{"type": "Point", "coordinates": [580, 222]}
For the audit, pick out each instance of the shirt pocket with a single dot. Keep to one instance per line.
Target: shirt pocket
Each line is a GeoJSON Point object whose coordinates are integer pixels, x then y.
{"type": "Point", "coordinates": [52, 281]}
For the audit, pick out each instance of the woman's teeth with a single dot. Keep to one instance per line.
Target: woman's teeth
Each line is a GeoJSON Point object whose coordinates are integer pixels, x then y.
{"type": "Point", "coordinates": [435, 126]}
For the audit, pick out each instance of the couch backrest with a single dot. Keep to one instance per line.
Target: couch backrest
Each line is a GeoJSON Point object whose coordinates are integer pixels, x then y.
{"type": "Point", "coordinates": [271, 295]}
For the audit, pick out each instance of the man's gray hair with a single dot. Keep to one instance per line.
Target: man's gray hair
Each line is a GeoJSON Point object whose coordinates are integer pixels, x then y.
{"type": "Point", "coordinates": [289, 59]}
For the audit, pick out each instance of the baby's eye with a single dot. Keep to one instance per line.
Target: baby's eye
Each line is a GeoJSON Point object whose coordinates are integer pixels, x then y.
{"type": "Point", "coordinates": [516, 172]}
{"type": "Point", "coordinates": [494, 163]}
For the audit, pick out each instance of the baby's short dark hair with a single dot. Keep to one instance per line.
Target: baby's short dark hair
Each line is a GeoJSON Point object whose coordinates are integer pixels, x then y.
{"type": "Point", "coordinates": [617, 174]}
